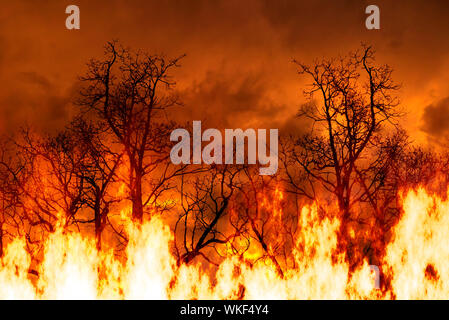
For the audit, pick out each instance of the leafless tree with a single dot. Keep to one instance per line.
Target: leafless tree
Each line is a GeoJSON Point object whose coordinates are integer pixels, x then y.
{"type": "Point", "coordinates": [99, 171]}
{"type": "Point", "coordinates": [52, 183]}
{"type": "Point", "coordinates": [205, 201]}
{"type": "Point", "coordinates": [263, 217]}
{"type": "Point", "coordinates": [129, 92]}
{"type": "Point", "coordinates": [10, 218]}
{"type": "Point", "coordinates": [351, 102]}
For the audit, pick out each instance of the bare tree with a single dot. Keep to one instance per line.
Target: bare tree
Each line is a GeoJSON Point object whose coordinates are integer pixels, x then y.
{"type": "Point", "coordinates": [261, 217]}
{"type": "Point", "coordinates": [99, 171]}
{"type": "Point", "coordinates": [351, 101]}
{"type": "Point", "coordinates": [129, 92]}
{"type": "Point", "coordinates": [11, 223]}
{"type": "Point", "coordinates": [205, 202]}
{"type": "Point", "coordinates": [51, 181]}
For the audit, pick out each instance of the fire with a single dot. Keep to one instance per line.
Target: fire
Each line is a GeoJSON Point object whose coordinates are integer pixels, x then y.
{"type": "Point", "coordinates": [71, 267]}
{"type": "Point", "coordinates": [13, 274]}
{"type": "Point", "coordinates": [418, 255]}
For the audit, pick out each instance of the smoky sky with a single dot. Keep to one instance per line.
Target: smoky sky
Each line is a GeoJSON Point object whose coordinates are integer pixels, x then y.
{"type": "Point", "coordinates": [238, 69]}
{"type": "Point", "coordinates": [436, 120]}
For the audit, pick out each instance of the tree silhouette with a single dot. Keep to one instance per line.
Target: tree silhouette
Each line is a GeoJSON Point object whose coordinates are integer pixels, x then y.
{"type": "Point", "coordinates": [205, 202]}
{"type": "Point", "coordinates": [260, 216]}
{"type": "Point", "coordinates": [351, 100]}
{"type": "Point", "coordinates": [355, 155]}
{"type": "Point", "coordinates": [129, 92]}
{"type": "Point", "coordinates": [98, 170]}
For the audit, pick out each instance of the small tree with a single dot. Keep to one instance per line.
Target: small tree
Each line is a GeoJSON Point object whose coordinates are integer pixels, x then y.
{"type": "Point", "coordinates": [260, 217]}
{"type": "Point", "coordinates": [205, 202]}
{"type": "Point", "coordinates": [98, 170]}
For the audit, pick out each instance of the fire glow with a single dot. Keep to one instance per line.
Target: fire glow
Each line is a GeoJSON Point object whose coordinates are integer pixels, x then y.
{"type": "Point", "coordinates": [108, 209]}
{"type": "Point", "coordinates": [72, 267]}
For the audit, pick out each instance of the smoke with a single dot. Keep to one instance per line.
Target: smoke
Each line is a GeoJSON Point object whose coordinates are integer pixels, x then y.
{"type": "Point", "coordinates": [436, 120]}
{"type": "Point", "coordinates": [238, 68]}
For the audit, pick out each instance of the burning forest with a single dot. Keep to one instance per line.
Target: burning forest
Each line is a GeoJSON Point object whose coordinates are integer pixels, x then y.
{"type": "Point", "coordinates": [98, 210]}
{"type": "Point", "coordinates": [135, 174]}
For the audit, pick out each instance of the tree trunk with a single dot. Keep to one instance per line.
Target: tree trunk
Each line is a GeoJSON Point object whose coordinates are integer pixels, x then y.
{"type": "Point", "coordinates": [98, 223]}
{"type": "Point", "coordinates": [136, 197]}
{"type": "Point", "coordinates": [1, 240]}
{"type": "Point", "coordinates": [343, 236]}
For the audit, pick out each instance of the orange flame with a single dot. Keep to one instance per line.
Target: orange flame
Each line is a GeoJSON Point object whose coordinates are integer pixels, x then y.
{"type": "Point", "coordinates": [71, 266]}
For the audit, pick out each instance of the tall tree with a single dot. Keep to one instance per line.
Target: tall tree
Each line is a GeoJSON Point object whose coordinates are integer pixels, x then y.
{"type": "Point", "coordinates": [130, 91]}
{"type": "Point", "coordinates": [351, 100]}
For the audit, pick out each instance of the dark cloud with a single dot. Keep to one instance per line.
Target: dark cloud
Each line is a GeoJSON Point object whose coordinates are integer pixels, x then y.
{"type": "Point", "coordinates": [436, 119]}
{"type": "Point", "coordinates": [33, 100]}
{"type": "Point", "coordinates": [224, 100]}
{"type": "Point", "coordinates": [34, 78]}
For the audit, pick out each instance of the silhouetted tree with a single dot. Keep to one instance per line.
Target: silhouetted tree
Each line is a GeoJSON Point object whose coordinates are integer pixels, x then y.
{"type": "Point", "coordinates": [52, 183]}
{"type": "Point", "coordinates": [129, 92]}
{"type": "Point", "coordinates": [351, 101]}
{"type": "Point", "coordinates": [205, 201]}
{"type": "Point", "coordinates": [260, 216]}
{"type": "Point", "coordinates": [98, 169]}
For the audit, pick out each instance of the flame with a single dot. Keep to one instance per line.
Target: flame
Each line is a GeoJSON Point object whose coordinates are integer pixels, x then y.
{"type": "Point", "coordinates": [418, 255]}
{"type": "Point", "coordinates": [71, 267]}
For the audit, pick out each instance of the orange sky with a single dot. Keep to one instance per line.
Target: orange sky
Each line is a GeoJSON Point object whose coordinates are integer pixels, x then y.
{"type": "Point", "coordinates": [238, 70]}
